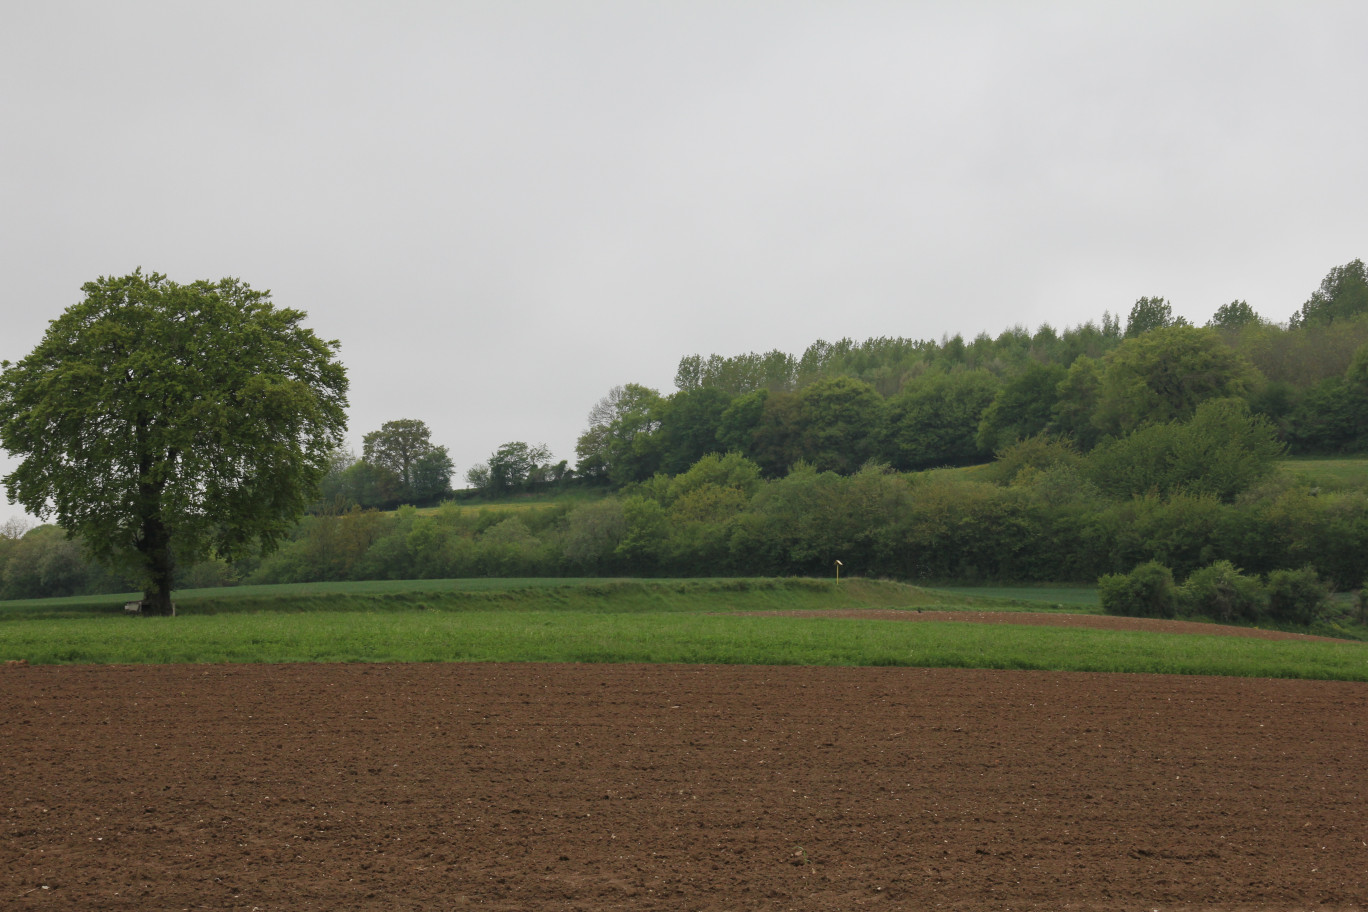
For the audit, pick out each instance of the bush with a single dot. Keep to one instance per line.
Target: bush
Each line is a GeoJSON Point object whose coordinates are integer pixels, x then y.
{"type": "Point", "coordinates": [1147, 591]}
{"type": "Point", "coordinates": [1221, 451]}
{"type": "Point", "coordinates": [1296, 596]}
{"type": "Point", "coordinates": [1222, 592]}
{"type": "Point", "coordinates": [1039, 453]}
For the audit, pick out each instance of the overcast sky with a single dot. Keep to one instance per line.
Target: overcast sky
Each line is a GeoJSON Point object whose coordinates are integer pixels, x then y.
{"type": "Point", "coordinates": [504, 209]}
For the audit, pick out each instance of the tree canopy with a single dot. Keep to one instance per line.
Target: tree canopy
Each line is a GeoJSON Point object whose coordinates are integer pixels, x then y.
{"type": "Point", "coordinates": [515, 466]}
{"type": "Point", "coordinates": [419, 471]}
{"type": "Point", "coordinates": [1342, 295]}
{"type": "Point", "coordinates": [160, 421]}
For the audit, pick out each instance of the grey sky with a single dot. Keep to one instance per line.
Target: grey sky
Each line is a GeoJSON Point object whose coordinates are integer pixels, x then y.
{"type": "Point", "coordinates": [504, 209]}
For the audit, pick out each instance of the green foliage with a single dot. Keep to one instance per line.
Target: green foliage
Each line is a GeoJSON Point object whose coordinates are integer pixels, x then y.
{"type": "Point", "coordinates": [45, 562]}
{"type": "Point", "coordinates": [960, 529]}
{"type": "Point", "coordinates": [1083, 382]}
{"type": "Point", "coordinates": [1356, 374]}
{"type": "Point", "coordinates": [689, 425]}
{"type": "Point", "coordinates": [739, 375]}
{"type": "Point", "coordinates": [1235, 315]}
{"type": "Point", "coordinates": [1076, 401]}
{"type": "Point", "coordinates": [738, 422]}
{"type": "Point", "coordinates": [806, 521]}
{"type": "Point", "coordinates": [934, 421]}
{"type": "Point", "coordinates": [841, 420]}
{"type": "Point", "coordinates": [619, 444]}
{"type": "Point", "coordinates": [508, 548]}
{"type": "Point", "coordinates": [397, 445]}
{"type": "Point", "coordinates": [431, 476]}
{"type": "Point", "coordinates": [369, 486]}
{"type": "Point", "coordinates": [1336, 541]}
{"type": "Point", "coordinates": [1296, 596]}
{"type": "Point", "coordinates": [1342, 295]}
{"type": "Point", "coordinates": [1034, 455]}
{"type": "Point", "coordinates": [593, 532]}
{"type": "Point", "coordinates": [1222, 450]}
{"type": "Point", "coordinates": [1221, 592]}
{"type": "Point", "coordinates": [646, 534]}
{"type": "Point", "coordinates": [1333, 415]}
{"type": "Point", "coordinates": [512, 468]}
{"type": "Point", "coordinates": [1147, 591]}
{"type": "Point", "coordinates": [404, 464]}
{"type": "Point", "coordinates": [160, 422]}
{"type": "Point", "coordinates": [1164, 375]}
{"type": "Point", "coordinates": [1022, 407]}
{"type": "Point", "coordinates": [729, 471]}
{"type": "Point", "coordinates": [1304, 355]}
{"type": "Point", "coordinates": [1149, 314]}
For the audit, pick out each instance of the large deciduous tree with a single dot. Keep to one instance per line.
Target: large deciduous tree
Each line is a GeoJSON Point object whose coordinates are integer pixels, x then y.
{"type": "Point", "coordinates": [404, 449]}
{"type": "Point", "coordinates": [160, 421]}
{"type": "Point", "coordinates": [397, 446]}
{"type": "Point", "coordinates": [621, 443]}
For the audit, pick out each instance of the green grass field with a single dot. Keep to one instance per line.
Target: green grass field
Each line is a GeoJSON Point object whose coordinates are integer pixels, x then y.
{"type": "Point", "coordinates": [687, 621]}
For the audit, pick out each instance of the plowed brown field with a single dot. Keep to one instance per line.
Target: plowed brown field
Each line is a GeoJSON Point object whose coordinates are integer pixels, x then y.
{"type": "Point", "coordinates": [435, 787]}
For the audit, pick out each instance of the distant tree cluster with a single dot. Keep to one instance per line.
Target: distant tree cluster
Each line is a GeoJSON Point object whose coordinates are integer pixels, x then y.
{"type": "Point", "coordinates": [399, 465]}
{"type": "Point", "coordinates": [518, 468]}
{"type": "Point", "coordinates": [915, 405]}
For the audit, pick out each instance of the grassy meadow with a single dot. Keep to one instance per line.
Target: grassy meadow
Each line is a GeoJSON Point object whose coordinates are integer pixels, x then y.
{"type": "Point", "coordinates": [684, 621]}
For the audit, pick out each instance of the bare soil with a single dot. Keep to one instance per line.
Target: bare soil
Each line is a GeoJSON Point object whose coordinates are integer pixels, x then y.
{"type": "Point", "coordinates": [615, 787]}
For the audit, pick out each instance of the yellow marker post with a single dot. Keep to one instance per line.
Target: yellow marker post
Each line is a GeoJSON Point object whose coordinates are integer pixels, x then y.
{"type": "Point", "coordinates": [839, 565]}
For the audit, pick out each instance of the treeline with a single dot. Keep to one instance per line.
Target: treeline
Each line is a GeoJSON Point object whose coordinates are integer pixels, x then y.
{"type": "Point", "coordinates": [913, 404]}
{"type": "Point", "coordinates": [1194, 491]}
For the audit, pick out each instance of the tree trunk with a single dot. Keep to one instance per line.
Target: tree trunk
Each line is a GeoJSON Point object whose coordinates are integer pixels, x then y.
{"type": "Point", "coordinates": [155, 546]}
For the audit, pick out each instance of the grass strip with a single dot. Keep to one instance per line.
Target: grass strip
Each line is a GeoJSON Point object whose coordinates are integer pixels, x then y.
{"type": "Point", "coordinates": [672, 636]}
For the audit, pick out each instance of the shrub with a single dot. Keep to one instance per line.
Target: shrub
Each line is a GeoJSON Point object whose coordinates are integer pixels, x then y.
{"type": "Point", "coordinates": [1147, 591]}
{"type": "Point", "coordinates": [1296, 596]}
{"type": "Point", "coordinates": [1222, 592]}
{"type": "Point", "coordinates": [1041, 453]}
